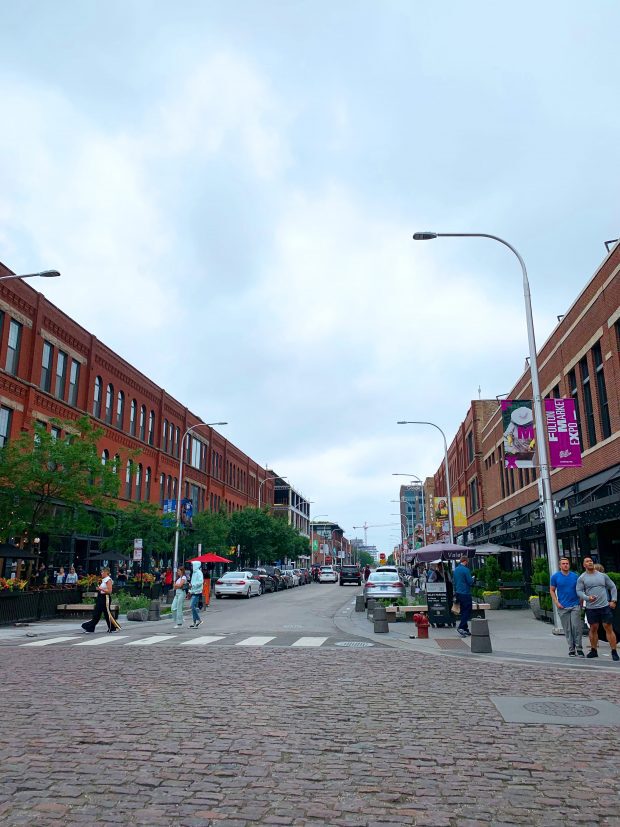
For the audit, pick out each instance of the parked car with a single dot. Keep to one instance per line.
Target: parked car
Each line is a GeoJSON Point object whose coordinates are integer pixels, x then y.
{"type": "Point", "coordinates": [293, 574]}
{"type": "Point", "coordinates": [287, 579]}
{"type": "Point", "coordinates": [268, 583]}
{"type": "Point", "coordinates": [350, 574]}
{"type": "Point", "coordinates": [328, 574]}
{"type": "Point", "coordinates": [276, 574]}
{"type": "Point", "coordinates": [383, 584]}
{"type": "Point", "coordinates": [305, 573]}
{"type": "Point", "coordinates": [237, 584]}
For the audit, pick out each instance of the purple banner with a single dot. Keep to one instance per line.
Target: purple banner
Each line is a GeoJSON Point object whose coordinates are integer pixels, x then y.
{"type": "Point", "coordinates": [562, 433]}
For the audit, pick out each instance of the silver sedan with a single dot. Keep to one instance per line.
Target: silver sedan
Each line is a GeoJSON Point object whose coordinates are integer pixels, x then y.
{"type": "Point", "coordinates": [383, 584]}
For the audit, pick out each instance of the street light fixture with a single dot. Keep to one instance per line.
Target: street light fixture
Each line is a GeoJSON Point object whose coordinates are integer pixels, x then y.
{"type": "Point", "coordinates": [445, 450]}
{"type": "Point", "coordinates": [179, 489]}
{"type": "Point", "coordinates": [539, 419]}
{"type": "Point", "coordinates": [44, 274]}
{"type": "Point", "coordinates": [262, 482]}
{"type": "Point", "coordinates": [415, 476]}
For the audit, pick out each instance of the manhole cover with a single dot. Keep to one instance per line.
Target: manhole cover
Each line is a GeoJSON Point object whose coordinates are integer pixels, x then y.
{"type": "Point", "coordinates": [561, 709]}
{"type": "Point", "coordinates": [354, 644]}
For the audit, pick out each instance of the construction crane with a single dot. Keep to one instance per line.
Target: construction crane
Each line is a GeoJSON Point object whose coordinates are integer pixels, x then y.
{"type": "Point", "coordinates": [366, 527]}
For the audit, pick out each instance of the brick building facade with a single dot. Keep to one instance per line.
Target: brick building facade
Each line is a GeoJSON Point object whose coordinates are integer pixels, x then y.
{"type": "Point", "coordinates": [50, 367]}
{"type": "Point", "coordinates": [580, 359]}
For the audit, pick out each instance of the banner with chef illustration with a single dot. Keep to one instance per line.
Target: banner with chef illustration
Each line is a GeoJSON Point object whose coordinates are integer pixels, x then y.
{"type": "Point", "coordinates": [562, 433]}
{"type": "Point", "coordinates": [519, 440]}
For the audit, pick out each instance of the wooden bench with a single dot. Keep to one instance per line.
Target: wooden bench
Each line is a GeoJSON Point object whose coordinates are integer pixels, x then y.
{"type": "Point", "coordinates": [81, 609]}
{"type": "Point", "coordinates": [478, 610]}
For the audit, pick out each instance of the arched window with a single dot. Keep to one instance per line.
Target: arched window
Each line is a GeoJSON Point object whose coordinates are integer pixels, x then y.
{"type": "Point", "coordinates": [97, 397]}
{"type": "Point", "coordinates": [132, 417]}
{"type": "Point", "coordinates": [109, 403]}
{"type": "Point", "coordinates": [142, 422]}
{"type": "Point", "coordinates": [164, 436]}
{"type": "Point", "coordinates": [169, 487]}
{"type": "Point", "coordinates": [174, 488]}
{"type": "Point", "coordinates": [128, 470]}
{"type": "Point", "coordinates": [105, 456]}
{"type": "Point", "coordinates": [162, 489]}
{"type": "Point", "coordinates": [120, 409]}
{"type": "Point", "coordinates": [177, 441]}
{"type": "Point", "coordinates": [116, 464]}
{"type": "Point", "coordinates": [138, 492]}
{"type": "Point", "coordinates": [147, 485]}
{"type": "Point", "coordinates": [151, 427]}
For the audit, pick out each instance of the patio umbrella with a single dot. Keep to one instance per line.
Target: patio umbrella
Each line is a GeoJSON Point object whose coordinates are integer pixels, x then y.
{"type": "Point", "coordinates": [15, 553]}
{"type": "Point", "coordinates": [209, 558]}
{"type": "Point", "coordinates": [441, 551]}
{"type": "Point", "coordinates": [494, 548]}
{"type": "Point", "coordinates": [111, 556]}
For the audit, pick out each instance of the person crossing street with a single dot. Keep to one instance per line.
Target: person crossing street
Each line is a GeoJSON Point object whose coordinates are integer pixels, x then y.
{"type": "Point", "coordinates": [102, 605]}
{"type": "Point", "coordinates": [195, 589]}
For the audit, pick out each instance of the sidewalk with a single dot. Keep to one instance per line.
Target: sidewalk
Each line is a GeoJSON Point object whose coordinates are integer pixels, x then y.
{"type": "Point", "coordinates": [515, 635]}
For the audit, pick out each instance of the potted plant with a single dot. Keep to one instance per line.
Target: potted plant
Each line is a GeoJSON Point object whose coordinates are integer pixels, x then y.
{"type": "Point", "coordinates": [535, 606]}
{"type": "Point", "coordinates": [493, 598]}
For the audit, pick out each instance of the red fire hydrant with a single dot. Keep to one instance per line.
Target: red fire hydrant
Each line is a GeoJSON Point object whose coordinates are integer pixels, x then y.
{"type": "Point", "coordinates": [422, 624]}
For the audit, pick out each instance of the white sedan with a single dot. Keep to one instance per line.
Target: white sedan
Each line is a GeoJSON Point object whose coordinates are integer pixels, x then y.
{"type": "Point", "coordinates": [328, 574]}
{"type": "Point", "coordinates": [240, 583]}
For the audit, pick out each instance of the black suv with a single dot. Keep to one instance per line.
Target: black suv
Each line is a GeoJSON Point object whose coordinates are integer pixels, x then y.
{"type": "Point", "coordinates": [350, 574]}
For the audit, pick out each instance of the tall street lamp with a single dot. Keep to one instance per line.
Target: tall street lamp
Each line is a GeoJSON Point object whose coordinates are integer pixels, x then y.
{"type": "Point", "coordinates": [180, 488]}
{"type": "Point", "coordinates": [44, 274]}
{"type": "Point", "coordinates": [539, 419]}
{"type": "Point", "coordinates": [415, 476]}
{"type": "Point", "coordinates": [445, 452]}
{"type": "Point", "coordinates": [262, 482]}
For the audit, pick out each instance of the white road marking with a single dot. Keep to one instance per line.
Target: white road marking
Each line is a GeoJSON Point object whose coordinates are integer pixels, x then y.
{"type": "Point", "coordinates": [309, 641]}
{"type": "Point", "coordinates": [202, 641]}
{"type": "Point", "coordinates": [49, 641]}
{"type": "Point", "coordinates": [101, 640]}
{"type": "Point", "coordinates": [149, 641]}
{"type": "Point", "coordinates": [254, 641]}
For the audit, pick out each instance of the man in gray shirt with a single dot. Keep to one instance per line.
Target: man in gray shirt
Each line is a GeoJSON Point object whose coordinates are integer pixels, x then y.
{"type": "Point", "coordinates": [593, 587]}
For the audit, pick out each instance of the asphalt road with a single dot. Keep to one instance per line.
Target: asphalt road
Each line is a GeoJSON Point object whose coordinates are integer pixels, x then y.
{"type": "Point", "coordinates": [235, 735]}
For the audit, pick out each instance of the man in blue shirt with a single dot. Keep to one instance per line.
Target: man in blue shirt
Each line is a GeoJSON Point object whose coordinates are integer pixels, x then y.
{"type": "Point", "coordinates": [463, 581]}
{"type": "Point", "coordinates": [563, 590]}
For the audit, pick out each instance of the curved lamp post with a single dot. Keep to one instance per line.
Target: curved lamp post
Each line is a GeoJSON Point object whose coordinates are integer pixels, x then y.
{"type": "Point", "coordinates": [262, 482]}
{"type": "Point", "coordinates": [179, 489]}
{"type": "Point", "coordinates": [539, 419]}
{"type": "Point", "coordinates": [415, 476]}
{"type": "Point", "coordinates": [44, 274]}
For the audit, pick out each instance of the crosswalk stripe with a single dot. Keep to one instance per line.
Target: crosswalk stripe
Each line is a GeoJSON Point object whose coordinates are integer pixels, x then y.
{"type": "Point", "coordinates": [309, 641]}
{"type": "Point", "coordinates": [149, 641]}
{"type": "Point", "coordinates": [49, 641]}
{"type": "Point", "coordinates": [101, 640]}
{"type": "Point", "coordinates": [203, 640]}
{"type": "Point", "coordinates": [254, 641]}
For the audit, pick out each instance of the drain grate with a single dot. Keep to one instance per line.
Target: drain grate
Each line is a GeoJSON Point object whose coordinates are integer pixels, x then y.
{"type": "Point", "coordinates": [354, 644]}
{"type": "Point", "coordinates": [562, 709]}
{"type": "Point", "coordinates": [566, 711]}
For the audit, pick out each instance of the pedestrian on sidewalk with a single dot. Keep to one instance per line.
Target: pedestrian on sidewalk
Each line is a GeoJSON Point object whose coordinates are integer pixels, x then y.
{"type": "Point", "coordinates": [179, 597]}
{"type": "Point", "coordinates": [563, 590]}
{"type": "Point", "coordinates": [195, 589]}
{"type": "Point", "coordinates": [102, 605]}
{"type": "Point", "coordinates": [366, 573]}
{"type": "Point", "coordinates": [595, 587]}
{"type": "Point", "coordinates": [463, 582]}
{"type": "Point", "coordinates": [167, 581]}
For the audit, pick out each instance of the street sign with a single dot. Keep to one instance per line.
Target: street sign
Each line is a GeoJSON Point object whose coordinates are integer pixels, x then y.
{"type": "Point", "coordinates": [137, 550]}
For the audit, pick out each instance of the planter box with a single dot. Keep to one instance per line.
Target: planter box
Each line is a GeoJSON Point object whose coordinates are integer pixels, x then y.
{"type": "Point", "coordinates": [22, 607]}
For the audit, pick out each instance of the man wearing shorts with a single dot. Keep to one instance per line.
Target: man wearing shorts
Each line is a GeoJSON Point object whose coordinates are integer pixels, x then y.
{"type": "Point", "coordinates": [593, 587]}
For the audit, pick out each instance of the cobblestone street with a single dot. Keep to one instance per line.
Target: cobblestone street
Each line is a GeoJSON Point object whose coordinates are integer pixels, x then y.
{"type": "Point", "coordinates": [295, 737]}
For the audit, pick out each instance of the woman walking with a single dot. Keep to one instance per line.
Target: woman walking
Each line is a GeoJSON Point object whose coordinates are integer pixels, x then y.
{"type": "Point", "coordinates": [102, 605]}
{"type": "Point", "coordinates": [179, 597]}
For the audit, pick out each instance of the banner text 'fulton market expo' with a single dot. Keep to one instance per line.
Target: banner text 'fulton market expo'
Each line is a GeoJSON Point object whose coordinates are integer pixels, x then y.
{"type": "Point", "coordinates": [562, 433]}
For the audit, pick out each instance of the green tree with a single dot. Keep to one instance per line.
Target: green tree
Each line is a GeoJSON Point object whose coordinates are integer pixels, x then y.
{"type": "Point", "coordinates": [211, 529]}
{"type": "Point", "coordinates": [47, 482]}
{"type": "Point", "coordinates": [251, 530]}
{"type": "Point", "coordinates": [143, 520]}
{"type": "Point", "coordinates": [366, 559]}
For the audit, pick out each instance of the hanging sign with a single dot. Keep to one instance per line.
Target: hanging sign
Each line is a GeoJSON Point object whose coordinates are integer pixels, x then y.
{"type": "Point", "coordinates": [562, 433]}
{"type": "Point", "coordinates": [519, 441]}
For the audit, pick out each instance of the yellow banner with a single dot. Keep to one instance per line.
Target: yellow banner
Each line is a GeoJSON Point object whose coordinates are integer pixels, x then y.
{"type": "Point", "coordinates": [459, 512]}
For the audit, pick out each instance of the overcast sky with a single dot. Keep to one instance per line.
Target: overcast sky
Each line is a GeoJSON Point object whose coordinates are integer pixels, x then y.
{"type": "Point", "coordinates": [230, 188]}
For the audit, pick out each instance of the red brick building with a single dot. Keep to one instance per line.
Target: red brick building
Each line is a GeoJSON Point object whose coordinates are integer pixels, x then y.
{"type": "Point", "coordinates": [50, 367]}
{"type": "Point", "coordinates": [580, 359]}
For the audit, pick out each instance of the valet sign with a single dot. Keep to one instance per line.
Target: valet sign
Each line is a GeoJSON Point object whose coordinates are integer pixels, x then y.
{"type": "Point", "coordinates": [562, 433]}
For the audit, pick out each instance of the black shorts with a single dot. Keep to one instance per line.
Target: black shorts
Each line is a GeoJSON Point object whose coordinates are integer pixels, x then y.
{"type": "Point", "coordinates": [602, 615]}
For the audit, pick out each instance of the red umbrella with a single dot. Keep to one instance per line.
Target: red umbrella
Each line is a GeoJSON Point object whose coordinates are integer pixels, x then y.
{"type": "Point", "coordinates": [209, 558]}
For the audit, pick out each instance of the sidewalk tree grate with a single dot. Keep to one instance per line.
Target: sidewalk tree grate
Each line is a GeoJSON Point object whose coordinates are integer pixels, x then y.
{"type": "Point", "coordinates": [354, 644]}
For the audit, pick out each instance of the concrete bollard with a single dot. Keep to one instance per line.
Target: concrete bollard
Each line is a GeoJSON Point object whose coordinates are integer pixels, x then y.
{"type": "Point", "coordinates": [359, 603]}
{"type": "Point", "coordinates": [379, 617]}
{"type": "Point", "coordinates": [154, 610]}
{"type": "Point", "coordinates": [137, 614]}
{"type": "Point", "coordinates": [370, 607]}
{"type": "Point", "coordinates": [480, 638]}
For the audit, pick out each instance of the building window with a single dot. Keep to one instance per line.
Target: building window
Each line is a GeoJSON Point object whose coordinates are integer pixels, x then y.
{"type": "Point", "coordinates": [116, 464]}
{"type": "Point", "coordinates": [572, 389]}
{"type": "Point", "coordinates": [138, 482]}
{"type": "Point", "coordinates": [164, 436]}
{"type": "Point", "coordinates": [46, 367]}
{"type": "Point", "coordinates": [97, 397]}
{"type": "Point", "coordinates": [177, 442]}
{"type": "Point", "coordinates": [6, 415]}
{"type": "Point", "coordinates": [147, 485]}
{"type": "Point", "coordinates": [105, 456]}
{"type": "Point", "coordinates": [109, 404]}
{"type": "Point", "coordinates": [120, 409]}
{"type": "Point", "coordinates": [169, 487]}
{"type": "Point", "coordinates": [142, 422]}
{"type": "Point", "coordinates": [603, 402]}
{"type": "Point", "coordinates": [151, 427]}
{"type": "Point", "coordinates": [196, 453]}
{"type": "Point", "coordinates": [128, 470]}
{"type": "Point", "coordinates": [470, 447]}
{"type": "Point", "coordinates": [55, 433]}
{"type": "Point", "coordinates": [588, 406]}
{"type": "Point", "coordinates": [132, 417]}
{"type": "Point", "coordinates": [74, 378]}
{"type": "Point", "coordinates": [162, 489]}
{"type": "Point", "coordinates": [12, 353]}
{"type": "Point", "coordinates": [61, 375]}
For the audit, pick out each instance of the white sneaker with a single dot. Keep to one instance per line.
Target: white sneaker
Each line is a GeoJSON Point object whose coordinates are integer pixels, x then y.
{"type": "Point", "coordinates": [178, 625]}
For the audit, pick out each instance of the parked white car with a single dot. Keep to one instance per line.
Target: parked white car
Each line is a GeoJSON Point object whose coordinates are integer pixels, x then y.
{"type": "Point", "coordinates": [293, 575]}
{"type": "Point", "coordinates": [328, 574]}
{"type": "Point", "coordinates": [237, 584]}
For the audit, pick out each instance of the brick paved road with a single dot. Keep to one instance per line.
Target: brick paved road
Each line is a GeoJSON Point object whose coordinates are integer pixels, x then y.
{"type": "Point", "coordinates": [292, 737]}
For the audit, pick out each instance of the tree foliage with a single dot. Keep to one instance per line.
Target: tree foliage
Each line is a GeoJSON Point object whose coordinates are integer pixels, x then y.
{"type": "Point", "coordinates": [366, 559]}
{"type": "Point", "coordinates": [211, 530]}
{"type": "Point", "coordinates": [143, 520]}
{"type": "Point", "coordinates": [46, 483]}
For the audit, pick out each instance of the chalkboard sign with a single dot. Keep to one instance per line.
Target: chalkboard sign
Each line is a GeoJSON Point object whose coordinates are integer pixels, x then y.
{"type": "Point", "coordinates": [439, 611]}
